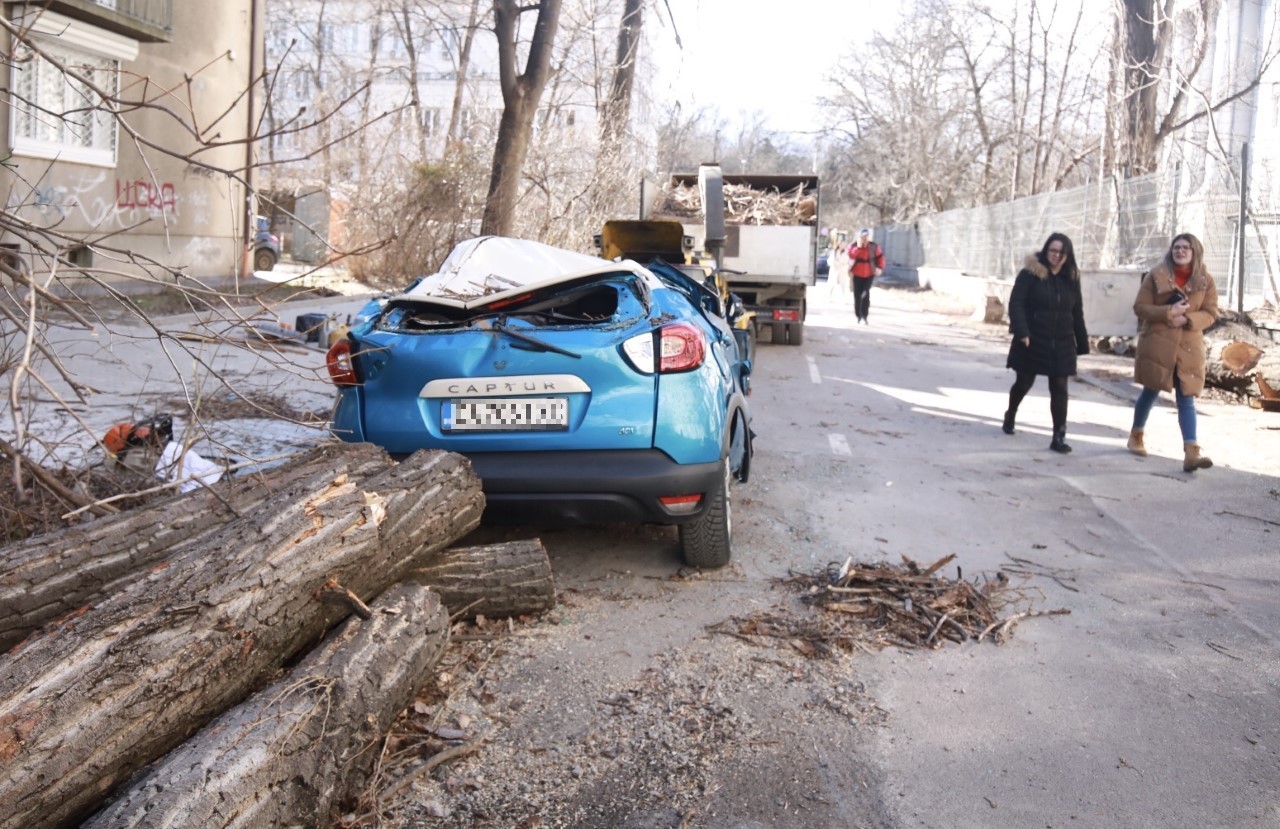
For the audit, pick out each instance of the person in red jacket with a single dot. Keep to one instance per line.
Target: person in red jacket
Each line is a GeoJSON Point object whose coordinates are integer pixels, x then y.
{"type": "Point", "coordinates": [866, 262]}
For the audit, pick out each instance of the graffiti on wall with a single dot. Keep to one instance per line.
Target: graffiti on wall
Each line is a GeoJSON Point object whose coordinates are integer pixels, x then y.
{"type": "Point", "coordinates": [146, 195]}
{"type": "Point", "coordinates": [82, 200]}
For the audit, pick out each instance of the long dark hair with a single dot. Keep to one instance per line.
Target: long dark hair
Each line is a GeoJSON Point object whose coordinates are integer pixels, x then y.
{"type": "Point", "coordinates": [1069, 268]}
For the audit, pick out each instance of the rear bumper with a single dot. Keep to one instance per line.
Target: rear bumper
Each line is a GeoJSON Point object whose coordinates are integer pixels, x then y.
{"type": "Point", "coordinates": [589, 487]}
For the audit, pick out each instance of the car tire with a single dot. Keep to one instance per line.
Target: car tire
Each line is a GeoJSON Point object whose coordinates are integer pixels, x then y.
{"type": "Point", "coordinates": [795, 333]}
{"type": "Point", "coordinates": [705, 541]}
{"type": "Point", "coordinates": [263, 260]}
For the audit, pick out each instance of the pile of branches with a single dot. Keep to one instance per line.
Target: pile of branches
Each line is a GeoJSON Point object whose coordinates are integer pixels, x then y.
{"type": "Point", "coordinates": [743, 205]}
{"type": "Point", "coordinates": [873, 606]}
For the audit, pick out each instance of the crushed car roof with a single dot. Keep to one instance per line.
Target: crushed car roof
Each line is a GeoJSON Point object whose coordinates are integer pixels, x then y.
{"type": "Point", "coordinates": [482, 270]}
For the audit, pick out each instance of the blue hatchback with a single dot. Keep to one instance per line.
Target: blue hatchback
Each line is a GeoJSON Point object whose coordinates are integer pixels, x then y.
{"type": "Point", "coordinates": [579, 388]}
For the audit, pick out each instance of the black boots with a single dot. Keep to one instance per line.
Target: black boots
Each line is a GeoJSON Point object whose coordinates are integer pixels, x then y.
{"type": "Point", "coordinates": [1008, 421]}
{"type": "Point", "coordinates": [1059, 442]}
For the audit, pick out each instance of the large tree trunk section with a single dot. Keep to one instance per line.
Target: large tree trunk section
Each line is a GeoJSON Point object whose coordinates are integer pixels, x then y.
{"type": "Point", "coordinates": [495, 580]}
{"type": "Point", "coordinates": [296, 749]}
{"type": "Point", "coordinates": [52, 575]}
{"type": "Point", "coordinates": [85, 703]}
{"type": "Point", "coordinates": [1229, 364]}
{"type": "Point", "coordinates": [1236, 367]}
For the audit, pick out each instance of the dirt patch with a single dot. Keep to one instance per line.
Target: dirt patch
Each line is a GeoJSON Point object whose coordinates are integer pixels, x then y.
{"type": "Point", "coordinates": [689, 742]}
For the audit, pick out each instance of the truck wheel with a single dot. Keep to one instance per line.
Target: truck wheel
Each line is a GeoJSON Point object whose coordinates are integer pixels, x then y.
{"type": "Point", "coordinates": [264, 260]}
{"type": "Point", "coordinates": [705, 542]}
{"type": "Point", "coordinates": [795, 333]}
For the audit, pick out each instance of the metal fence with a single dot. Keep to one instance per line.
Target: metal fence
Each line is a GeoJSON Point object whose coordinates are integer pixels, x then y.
{"type": "Point", "coordinates": [1113, 224]}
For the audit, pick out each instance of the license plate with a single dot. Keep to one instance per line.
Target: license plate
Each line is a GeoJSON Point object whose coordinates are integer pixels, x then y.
{"type": "Point", "coordinates": [516, 414]}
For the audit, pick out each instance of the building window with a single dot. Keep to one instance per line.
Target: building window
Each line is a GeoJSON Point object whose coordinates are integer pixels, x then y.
{"type": "Point", "coordinates": [80, 256]}
{"type": "Point", "coordinates": [56, 100]}
{"type": "Point", "coordinates": [58, 114]}
{"type": "Point", "coordinates": [430, 122]}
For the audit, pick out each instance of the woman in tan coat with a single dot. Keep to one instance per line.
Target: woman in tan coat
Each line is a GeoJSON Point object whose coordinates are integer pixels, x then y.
{"type": "Point", "coordinates": [1176, 302]}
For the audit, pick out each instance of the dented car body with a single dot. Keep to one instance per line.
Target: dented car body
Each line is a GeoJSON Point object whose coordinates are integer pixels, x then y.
{"type": "Point", "coordinates": [580, 389]}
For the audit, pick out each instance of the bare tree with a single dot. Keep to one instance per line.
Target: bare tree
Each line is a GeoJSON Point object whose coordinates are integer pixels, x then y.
{"type": "Point", "coordinates": [969, 106]}
{"type": "Point", "coordinates": [521, 92]}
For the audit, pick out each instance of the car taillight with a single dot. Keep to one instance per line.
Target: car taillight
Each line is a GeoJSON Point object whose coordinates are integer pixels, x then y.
{"type": "Point", "coordinates": [682, 348]}
{"type": "Point", "coordinates": [786, 314]}
{"type": "Point", "coordinates": [338, 361]}
{"type": "Point", "coordinates": [681, 504]}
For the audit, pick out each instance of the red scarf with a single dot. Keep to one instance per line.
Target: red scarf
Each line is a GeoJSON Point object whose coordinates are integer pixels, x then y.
{"type": "Point", "coordinates": [1182, 276]}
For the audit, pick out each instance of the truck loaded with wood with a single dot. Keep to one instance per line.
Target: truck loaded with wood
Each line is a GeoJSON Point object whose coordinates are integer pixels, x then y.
{"type": "Point", "coordinates": [761, 231]}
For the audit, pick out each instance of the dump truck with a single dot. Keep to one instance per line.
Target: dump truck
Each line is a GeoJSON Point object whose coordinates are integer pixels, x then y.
{"type": "Point", "coordinates": [645, 240]}
{"type": "Point", "coordinates": [760, 230]}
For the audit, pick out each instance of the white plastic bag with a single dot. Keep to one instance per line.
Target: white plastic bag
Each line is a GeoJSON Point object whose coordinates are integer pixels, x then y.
{"type": "Point", "coordinates": [193, 471]}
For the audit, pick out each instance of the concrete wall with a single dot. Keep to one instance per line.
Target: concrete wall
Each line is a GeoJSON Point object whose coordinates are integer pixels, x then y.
{"type": "Point", "coordinates": [1108, 295]}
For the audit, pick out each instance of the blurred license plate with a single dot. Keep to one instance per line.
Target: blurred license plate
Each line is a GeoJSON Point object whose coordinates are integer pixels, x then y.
{"type": "Point", "coordinates": [506, 415]}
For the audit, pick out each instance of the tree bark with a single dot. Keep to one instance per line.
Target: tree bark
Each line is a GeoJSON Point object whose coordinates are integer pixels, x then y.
{"type": "Point", "coordinates": [86, 703]}
{"type": "Point", "coordinates": [521, 93]}
{"type": "Point", "coordinates": [495, 580]}
{"type": "Point", "coordinates": [294, 751]}
{"type": "Point", "coordinates": [1229, 364]}
{"type": "Point", "coordinates": [52, 575]}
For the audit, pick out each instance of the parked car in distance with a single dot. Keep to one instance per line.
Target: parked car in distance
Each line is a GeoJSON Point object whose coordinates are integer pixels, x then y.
{"type": "Point", "coordinates": [266, 245]}
{"type": "Point", "coordinates": [822, 268]}
{"type": "Point", "coordinates": [580, 389]}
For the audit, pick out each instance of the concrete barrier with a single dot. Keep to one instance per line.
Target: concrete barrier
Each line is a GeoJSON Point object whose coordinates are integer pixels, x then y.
{"type": "Point", "coordinates": [1108, 296]}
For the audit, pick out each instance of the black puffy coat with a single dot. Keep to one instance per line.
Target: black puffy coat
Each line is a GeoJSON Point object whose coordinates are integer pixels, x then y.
{"type": "Point", "coordinates": [1049, 309]}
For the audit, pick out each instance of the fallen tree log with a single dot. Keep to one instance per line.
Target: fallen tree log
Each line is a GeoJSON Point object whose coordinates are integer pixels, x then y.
{"type": "Point", "coordinates": [45, 577]}
{"type": "Point", "coordinates": [90, 700]}
{"type": "Point", "coordinates": [512, 578]}
{"type": "Point", "coordinates": [1234, 327]}
{"type": "Point", "coordinates": [1229, 364]}
{"type": "Point", "coordinates": [298, 748]}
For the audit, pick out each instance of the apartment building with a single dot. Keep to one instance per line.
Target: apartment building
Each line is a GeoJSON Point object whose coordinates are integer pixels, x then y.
{"type": "Point", "coordinates": [156, 181]}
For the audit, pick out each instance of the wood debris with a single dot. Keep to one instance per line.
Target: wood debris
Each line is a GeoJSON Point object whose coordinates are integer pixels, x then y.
{"type": "Point", "coordinates": [873, 606]}
{"type": "Point", "coordinates": [743, 205]}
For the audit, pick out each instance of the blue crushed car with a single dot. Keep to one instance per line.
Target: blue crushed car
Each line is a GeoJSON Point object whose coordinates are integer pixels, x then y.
{"type": "Point", "coordinates": [581, 389]}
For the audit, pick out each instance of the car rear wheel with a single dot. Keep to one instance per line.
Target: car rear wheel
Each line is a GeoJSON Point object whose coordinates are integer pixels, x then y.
{"type": "Point", "coordinates": [705, 542]}
{"type": "Point", "coordinates": [264, 260]}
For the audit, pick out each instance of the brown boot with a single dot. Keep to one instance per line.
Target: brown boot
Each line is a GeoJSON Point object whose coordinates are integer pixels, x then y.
{"type": "Point", "coordinates": [1136, 446]}
{"type": "Point", "coordinates": [1193, 460]}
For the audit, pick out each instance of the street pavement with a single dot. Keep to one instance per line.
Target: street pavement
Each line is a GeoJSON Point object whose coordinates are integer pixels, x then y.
{"type": "Point", "coordinates": [1153, 703]}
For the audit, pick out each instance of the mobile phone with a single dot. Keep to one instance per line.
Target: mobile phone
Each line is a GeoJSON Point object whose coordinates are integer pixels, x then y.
{"type": "Point", "coordinates": [1175, 298]}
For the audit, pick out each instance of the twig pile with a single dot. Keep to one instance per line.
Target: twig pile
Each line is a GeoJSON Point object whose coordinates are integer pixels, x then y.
{"type": "Point", "coordinates": [893, 605]}
{"type": "Point", "coordinates": [743, 205]}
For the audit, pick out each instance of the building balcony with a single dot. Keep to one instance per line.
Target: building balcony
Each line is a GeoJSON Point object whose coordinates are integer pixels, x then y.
{"type": "Point", "coordinates": [147, 21]}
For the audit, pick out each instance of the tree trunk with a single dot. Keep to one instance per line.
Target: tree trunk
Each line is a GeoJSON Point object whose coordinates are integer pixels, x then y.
{"type": "Point", "coordinates": [494, 580]}
{"type": "Point", "coordinates": [299, 747]}
{"type": "Point", "coordinates": [86, 703]}
{"type": "Point", "coordinates": [51, 575]}
{"type": "Point", "coordinates": [1229, 364]}
{"type": "Point", "coordinates": [520, 96]}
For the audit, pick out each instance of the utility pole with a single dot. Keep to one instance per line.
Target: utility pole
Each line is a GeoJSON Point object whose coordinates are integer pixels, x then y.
{"type": "Point", "coordinates": [1244, 219]}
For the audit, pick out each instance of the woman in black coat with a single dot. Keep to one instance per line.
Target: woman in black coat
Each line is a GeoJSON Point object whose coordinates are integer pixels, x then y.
{"type": "Point", "coordinates": [1046, 317]}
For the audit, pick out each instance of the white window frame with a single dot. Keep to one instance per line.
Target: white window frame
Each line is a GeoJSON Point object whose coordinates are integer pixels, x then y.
{"type": "Point", "coordinates": [71, 42]}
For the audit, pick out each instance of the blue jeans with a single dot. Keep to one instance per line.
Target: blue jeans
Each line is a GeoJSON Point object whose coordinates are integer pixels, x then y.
{"type": "Point", "coordinates": [1186, 410]}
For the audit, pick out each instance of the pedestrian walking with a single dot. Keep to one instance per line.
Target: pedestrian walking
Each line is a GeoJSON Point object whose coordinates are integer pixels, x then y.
{"type": "Point", "coordinates": [1046, 318]}
{"type": "Point", "coordinates": [1176, 302]}
{"type": "Point", "coordinates": [866, 262]}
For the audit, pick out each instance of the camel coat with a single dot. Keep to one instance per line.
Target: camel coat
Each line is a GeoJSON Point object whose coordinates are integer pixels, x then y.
{"type": "Point", "coordinates": [1163, 349]}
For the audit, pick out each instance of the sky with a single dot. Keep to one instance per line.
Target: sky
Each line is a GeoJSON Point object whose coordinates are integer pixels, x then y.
{"type": "Point", "coordinates": [767, 55]}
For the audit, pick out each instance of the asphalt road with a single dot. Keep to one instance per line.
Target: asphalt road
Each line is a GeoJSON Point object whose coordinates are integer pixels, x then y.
{"type": "Point", "coordinates": [1154, 702]}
